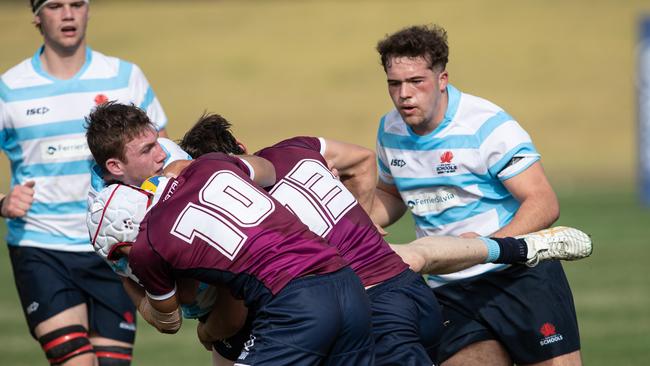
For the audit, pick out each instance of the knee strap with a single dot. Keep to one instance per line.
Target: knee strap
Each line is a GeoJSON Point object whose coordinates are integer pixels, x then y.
{"type": "Point", "coordinates": [65, 343]}
{"type": "Point", "coordinates": [113, 355]}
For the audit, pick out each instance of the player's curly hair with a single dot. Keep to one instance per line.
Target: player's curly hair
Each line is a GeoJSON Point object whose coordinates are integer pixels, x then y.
{"type": "Point", "coordinates": [425, 41]}
{"type": "Point", "coordinates": [110, 127]}
{"type": "Point", "coordinates": [211, 133]}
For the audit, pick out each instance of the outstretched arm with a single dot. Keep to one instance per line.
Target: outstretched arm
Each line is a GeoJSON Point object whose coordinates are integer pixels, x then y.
{"type": "Point", "coordinates": [442, 254]}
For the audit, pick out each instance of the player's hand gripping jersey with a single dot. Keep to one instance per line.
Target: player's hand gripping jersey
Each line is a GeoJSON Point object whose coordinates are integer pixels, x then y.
{"type": "Point", "coordinates": [307, 187]}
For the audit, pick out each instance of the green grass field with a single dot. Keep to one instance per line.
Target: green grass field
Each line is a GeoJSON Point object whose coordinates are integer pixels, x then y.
{"type": "Point", "coordinates": [611, 291]}
{"type": "Point", "coordinates": [564, 69]}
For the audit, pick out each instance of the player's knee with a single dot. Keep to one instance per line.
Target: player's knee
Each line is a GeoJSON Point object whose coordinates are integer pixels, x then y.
{"type": "Point", "coordinates": [113, 355]}
{"type": "Point", "coordinates": [65, 343]}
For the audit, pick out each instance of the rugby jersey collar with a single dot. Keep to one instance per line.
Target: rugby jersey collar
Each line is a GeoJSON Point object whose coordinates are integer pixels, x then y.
{"type": "Point", "coordinates": [38, 67]}
{"type": "Point", "coordinates": [452, 107]}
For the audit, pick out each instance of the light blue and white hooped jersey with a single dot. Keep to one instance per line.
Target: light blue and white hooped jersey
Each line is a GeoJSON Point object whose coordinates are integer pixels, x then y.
{"type": "Point", "coordinates": [451, 179]}
{"type": "Point", "coordinates": [42, 132]}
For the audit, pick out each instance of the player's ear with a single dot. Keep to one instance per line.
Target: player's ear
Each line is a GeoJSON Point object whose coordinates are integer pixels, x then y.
{"type": "Point", "coordinates": [242, 146]}
{"type": "Point", "coordinates": [115, 167]}
{"type": "Point", "coordinates": [443, 80]}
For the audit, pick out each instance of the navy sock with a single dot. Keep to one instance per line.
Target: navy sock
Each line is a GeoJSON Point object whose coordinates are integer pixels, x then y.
{"type": "Point", "coordinates": [512, 250]}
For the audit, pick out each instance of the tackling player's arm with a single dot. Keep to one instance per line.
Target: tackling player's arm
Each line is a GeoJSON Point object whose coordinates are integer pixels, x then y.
{"type": "Point", "coordinates": [263, 172]}
{"type": "Point", "coordinates": [227, 316]}
{"type": "Point", "coordinates": [164, 315]}
{"type": "Point", "coordinates": [387, 205]}
{"type": "Point", "coordinates": [357, 169]}
{"type": "Point", "coordinates": [539, 207]}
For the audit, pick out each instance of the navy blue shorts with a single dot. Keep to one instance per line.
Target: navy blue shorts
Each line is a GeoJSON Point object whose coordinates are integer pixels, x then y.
{"type": "Point", "coordinates": [50, 281]}
{"type": "Point", "coordinates": [406, 320]}
{"type": "Point", "coordinates": [314, 320]}
{"type": "Point", "coordinates": [530, 311]}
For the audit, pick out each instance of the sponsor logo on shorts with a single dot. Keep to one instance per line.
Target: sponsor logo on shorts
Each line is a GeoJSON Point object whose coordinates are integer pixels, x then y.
{"type": "Point", "coordinates": [550, 334]}
{"type": "Point", "coordinates": [247, 348]}
{"type": "Point", "coordinates": [446, 166]}
{"type": "Point", "coordinates": [32, 307]}
{"type": "Point", "coordinates": [129, 321]}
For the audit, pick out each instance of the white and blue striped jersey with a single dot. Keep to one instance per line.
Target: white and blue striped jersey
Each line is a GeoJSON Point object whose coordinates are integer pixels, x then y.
{"type": "Point", "coordinates": [451, 179]}
{"type": "Point", "coordinates": [42, 132]}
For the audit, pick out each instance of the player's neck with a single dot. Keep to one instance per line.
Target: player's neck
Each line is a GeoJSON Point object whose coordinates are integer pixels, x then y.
{"type": "Point", "coordinates": [63, 63]}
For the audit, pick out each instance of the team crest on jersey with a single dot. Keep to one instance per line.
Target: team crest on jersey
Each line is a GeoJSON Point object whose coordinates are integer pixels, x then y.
{"type": "Point", "coordinates": [550, 334]}
{"type": "Point", "coordinates": [100, 99]}
{"type": "Point", "coordinates": [446, 165]}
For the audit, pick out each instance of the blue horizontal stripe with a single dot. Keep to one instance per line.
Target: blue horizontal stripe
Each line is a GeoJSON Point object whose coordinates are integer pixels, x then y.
{"type": "Point", "coordinates": [392, 141]}
{"type": "Point", "coordinates": [17, 233]}
{"type": "Point", "coordinates": [61, 208]}
{"type": "Point", "coordinates": [407, 184]}
{"type": "Point", "coordinates": [74, 85]}
{"type": "Point", "coordinates": [491, 124]}
{"type": "Point", "coordinates": [49, 130]}
{"type": "Point", "coordinates": [525, 148]}
{"type": "Point", "coordinates": [54, 169]}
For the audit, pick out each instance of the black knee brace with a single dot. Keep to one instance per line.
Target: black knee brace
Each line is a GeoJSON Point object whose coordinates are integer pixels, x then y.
{"type": "Point", "coordinates": [113, 355]}
{"type": "Point", "coordinates": [65, 343]}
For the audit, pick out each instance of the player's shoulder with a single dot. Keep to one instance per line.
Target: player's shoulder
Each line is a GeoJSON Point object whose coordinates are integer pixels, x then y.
{"type": "Point", "coordinates": [22, 75]}
{"type": "Point", "coordinates": [392, 123]}
{"type": "Point", "coordinates": [471, 113]}
{"type": "Point", "coordinates": [102, 66]}
{"type": "Point", "coordinates": [305, 142]}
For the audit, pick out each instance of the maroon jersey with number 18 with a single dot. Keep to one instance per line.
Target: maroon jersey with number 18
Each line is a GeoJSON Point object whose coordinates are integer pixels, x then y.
{"type": "Point", "coordinates": [213, 224]}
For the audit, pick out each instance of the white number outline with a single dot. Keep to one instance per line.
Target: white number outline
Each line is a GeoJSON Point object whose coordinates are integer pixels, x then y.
{"type": "Point", "coordinates": [186, 228]}
{"type": "Point", "coordinates": [320, 202]}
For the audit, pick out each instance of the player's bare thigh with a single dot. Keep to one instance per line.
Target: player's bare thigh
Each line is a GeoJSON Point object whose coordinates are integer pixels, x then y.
{"type": "Point", "coordinates": [484, 353]}
{"type": "Point", "coordinates": [570, 359]}
{"type": "Point", "coordinates": [76, 315]}
{"type": "Point", "coordinates": [491, 353]}
{"type": "Point", "coordinates": [219, 360]}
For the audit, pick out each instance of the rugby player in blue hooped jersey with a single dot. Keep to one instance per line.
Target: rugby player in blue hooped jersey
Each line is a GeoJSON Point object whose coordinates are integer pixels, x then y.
{"type": "Point", "coordinates": [43, 102]}
{"type": "Point", "coordinates": [463, 166]}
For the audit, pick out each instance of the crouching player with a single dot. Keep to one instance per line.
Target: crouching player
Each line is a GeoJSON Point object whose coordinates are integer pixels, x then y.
{"type": "Point", "coordinates": [213, 225]}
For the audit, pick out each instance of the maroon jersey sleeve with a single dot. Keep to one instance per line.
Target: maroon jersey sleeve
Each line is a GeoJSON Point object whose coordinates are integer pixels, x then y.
{"type": "Point", "coordinates": [154, 273]}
